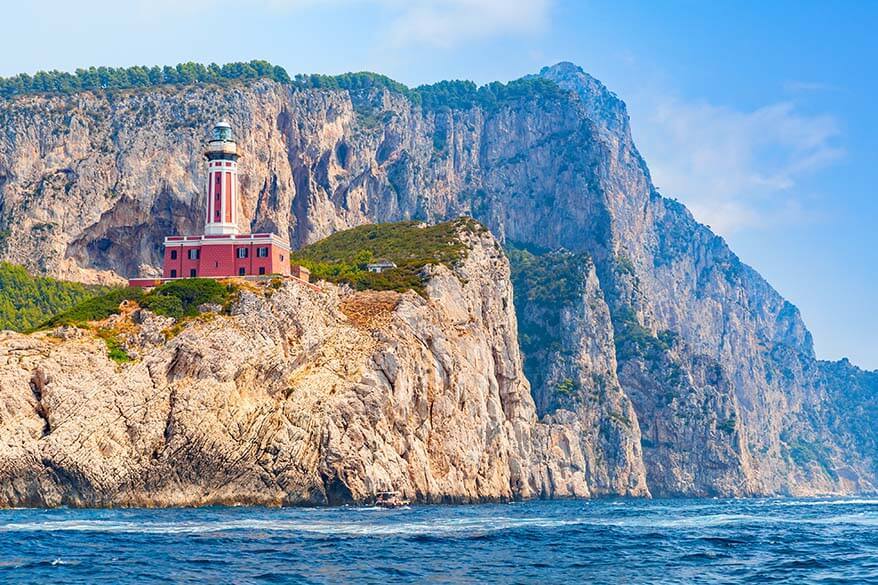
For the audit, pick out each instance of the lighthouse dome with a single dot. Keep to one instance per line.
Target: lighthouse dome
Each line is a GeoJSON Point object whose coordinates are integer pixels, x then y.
{"type": "Point", "coordinates": [222, 143]}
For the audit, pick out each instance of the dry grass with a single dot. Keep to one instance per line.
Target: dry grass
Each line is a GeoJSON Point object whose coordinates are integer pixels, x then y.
{"type": "Point", "coordinates": [371, 309]}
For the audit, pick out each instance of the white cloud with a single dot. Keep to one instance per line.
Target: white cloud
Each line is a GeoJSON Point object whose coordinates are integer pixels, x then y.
{"type": "Point", "coordinates": [737, 169]}
{"type": "Point", "coordinates": [403, 23]}
{"type": "Point", "coordinates": [437, 23]}
{"type": "Point", "coordinates": [444, 23]}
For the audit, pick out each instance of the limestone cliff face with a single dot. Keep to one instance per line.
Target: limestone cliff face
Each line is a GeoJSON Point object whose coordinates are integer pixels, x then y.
{"type": "Point", "coordinates": [297, 396]}
{"type": "Point", "coordinates": [684, 364]}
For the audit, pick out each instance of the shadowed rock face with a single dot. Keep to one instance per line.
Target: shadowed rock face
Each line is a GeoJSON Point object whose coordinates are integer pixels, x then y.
{"type": "Point", "coordinates": [673, 343]}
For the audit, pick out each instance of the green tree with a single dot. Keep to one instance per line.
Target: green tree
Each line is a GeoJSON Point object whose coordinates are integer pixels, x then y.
{"type": "Point", "coordinates": [26, 301]}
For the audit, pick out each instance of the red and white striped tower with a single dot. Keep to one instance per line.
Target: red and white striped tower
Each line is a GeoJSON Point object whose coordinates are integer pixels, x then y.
{"type": "Point", "coordinates": [222, 182]}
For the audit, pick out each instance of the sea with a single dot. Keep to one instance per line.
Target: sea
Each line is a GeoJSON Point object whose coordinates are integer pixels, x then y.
{"type": "Point", "coordinates": [599, 541]}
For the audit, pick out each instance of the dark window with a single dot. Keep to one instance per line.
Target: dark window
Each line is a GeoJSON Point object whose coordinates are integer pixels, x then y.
{"type": "Point", "coordinates": [194, 254]}
{"type": "Point", "coordinates": [173, 254]}
{"type": "Point", "coordinates": [241, 271]}
{"type": "Point", "coordinates": [262, 270]}
{"type": "Point", "coordinates": [173, 273]}
{"type": "Point", "coordinates": [281, 257]}
{"type": "Point", "coordinates": [262, 252]}
{"type": "Point", "coordinates": [193, 273]}
{"type": "Point", "coordinates": [242, 252]}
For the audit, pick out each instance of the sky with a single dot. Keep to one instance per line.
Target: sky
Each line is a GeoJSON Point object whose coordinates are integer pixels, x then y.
{"type": "Point", "coordinates": [759, 116]}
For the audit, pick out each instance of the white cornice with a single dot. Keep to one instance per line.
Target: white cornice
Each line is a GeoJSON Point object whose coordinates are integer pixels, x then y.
{"type": "Point", "coordinates": [242, 239]}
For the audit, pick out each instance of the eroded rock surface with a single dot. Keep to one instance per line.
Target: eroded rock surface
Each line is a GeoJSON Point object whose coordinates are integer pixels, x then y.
{"type": "Point", "coordinates": [297, 396]}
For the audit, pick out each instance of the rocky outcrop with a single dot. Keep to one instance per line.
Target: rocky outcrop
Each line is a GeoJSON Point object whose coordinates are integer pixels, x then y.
{"type": "Point", "coordinates": [298, 396]}
{"type": "Point", "coordinates": [674, 345]}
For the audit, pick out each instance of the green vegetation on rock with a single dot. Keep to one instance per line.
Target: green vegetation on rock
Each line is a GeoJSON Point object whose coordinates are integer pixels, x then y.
{"type": "Point", "coordinates": [349, 81]}
{"type": "Point", "coordinates": [102, 78]}
{"type": "Point", "coordinates": [26, 301]}
{"type": "Point", "coordinates": [458, 95]}
{"type": "Point", "coordinates": [442, 95]}
{"type": "Point", "coordinates": [176, 299]}
{"type": "Point", "coordinates": [411, 245]}
{"type": "Point", "coordinates": [547, 277]}
{"type": "Point", "coordinates": [546, 283]}
{"type": "Point", "coordinates": [115, 350]}
{"type": "Point", "coordinates": [94, 309]}
{"type": "Point", "coordinates": [633, 340]}
{"type": "Point", "coordinates": [181, 298]}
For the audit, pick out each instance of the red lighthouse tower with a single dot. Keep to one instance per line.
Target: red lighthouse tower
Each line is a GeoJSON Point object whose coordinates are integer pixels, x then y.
{"type": "Point", "coordinates": [222, 182]}
{"type": "Point", "coordinates": [222, 251]}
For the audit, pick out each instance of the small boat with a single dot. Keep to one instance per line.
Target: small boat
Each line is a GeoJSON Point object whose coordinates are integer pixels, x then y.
{"type": "Point", "coordinates": [390, 500]}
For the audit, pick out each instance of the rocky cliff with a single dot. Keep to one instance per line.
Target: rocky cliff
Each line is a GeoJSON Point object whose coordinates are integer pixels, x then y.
{"type": "Point", "coordinates": [669, 341]}
{"type": "Point", "coordinates": [299, 395]}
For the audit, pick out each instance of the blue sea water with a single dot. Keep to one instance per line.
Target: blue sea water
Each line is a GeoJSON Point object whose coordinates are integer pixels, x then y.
{"type": "Point", "coordinates": [603, 541]}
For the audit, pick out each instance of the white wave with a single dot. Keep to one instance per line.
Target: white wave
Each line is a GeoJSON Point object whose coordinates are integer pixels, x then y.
{"type": "Point", "coordinates": [699, 521]}
{"type": "Point", "coordinates": [377, 521]}
{"type": "Point", "coordinates": [436, 528]}
{"type": "Point", "coordinates": [828, 502]}
{"type": "Point", "coordinates": [446, 527]}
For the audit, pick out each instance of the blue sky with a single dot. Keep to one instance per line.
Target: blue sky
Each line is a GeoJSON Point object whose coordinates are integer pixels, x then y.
{"type": "Point", "coordinates": [760, 116]}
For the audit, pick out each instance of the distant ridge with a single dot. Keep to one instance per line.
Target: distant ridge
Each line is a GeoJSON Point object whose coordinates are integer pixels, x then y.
{"type": "Point", "coordinates": [450, 94]}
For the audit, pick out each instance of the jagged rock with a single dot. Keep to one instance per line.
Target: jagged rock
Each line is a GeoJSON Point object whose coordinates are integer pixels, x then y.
{"type": "Point", "coordinates": [67, 332]}
{"type": "Point", "coordinates": [300, 396]}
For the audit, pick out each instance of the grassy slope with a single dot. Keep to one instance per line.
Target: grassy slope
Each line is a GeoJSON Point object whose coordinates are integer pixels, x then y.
{"type": "Point", "coordinates": [342, 257]}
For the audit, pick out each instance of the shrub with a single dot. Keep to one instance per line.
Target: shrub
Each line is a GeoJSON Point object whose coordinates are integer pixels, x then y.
{"type": "Point", "coordinates": [176, 299]}
{"type": "Point", "coordinates": [181, 297]}
{"type": "Point", "coordinates": [567, 387]}
{"type": "Point", "coordinates": [94, 309]}
{"type": "Point", "coordinates": [115, 350]}
{"type": "Point", "coordinates": [727, 426]}
{"type": "Point", "coordinates": [166, 305]}
{"type": "Point", "coordinates": [439, 96]}
{"type": "Point", "coordinates": [633, 340]}
{"type": "Point", "coordinates": [444, 95]}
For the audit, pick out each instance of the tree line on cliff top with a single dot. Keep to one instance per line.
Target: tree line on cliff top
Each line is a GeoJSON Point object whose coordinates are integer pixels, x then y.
{"type": "Point", "coordinates": [444, 94]}
{"type": "Point", "coordinates": [103, 78]}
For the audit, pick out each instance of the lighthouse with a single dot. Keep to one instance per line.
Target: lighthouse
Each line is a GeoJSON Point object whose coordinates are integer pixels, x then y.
{"type": "Point", "coordinates": [222, 182]}
{"type": "Point", "coordinates": [221, 250]}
